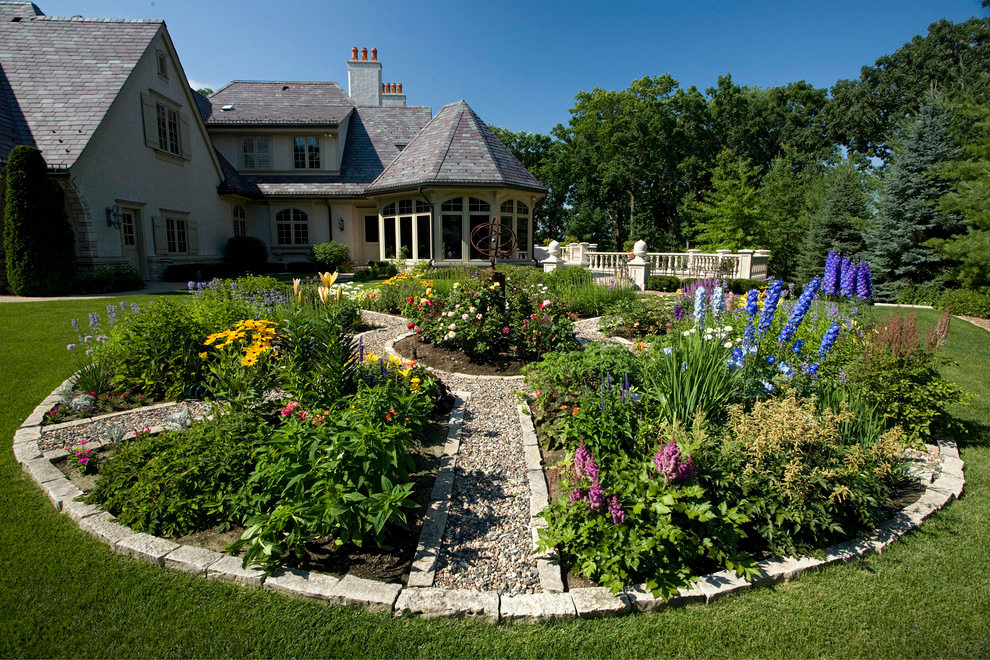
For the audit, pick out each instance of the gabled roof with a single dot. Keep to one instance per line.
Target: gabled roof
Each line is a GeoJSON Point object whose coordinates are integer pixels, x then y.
{"type": "Point", "coordinates": [278, 103]}
{"type": "Point", "coordinates": [59, 76]}
{"type": "Point", "coordinates": [372, 137]}
{"type": "Point", "coordinates": [455, 148]}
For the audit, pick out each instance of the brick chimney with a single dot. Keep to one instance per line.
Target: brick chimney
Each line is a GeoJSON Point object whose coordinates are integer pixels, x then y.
{"type": "Point", "coordinates": [364, 78]}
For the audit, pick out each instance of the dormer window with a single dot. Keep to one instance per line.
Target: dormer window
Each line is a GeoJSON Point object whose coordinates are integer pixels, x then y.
{"type": "Point", "coordinates": [162, 65]}
{"type": "Point", "coordinates": [306, 153]}
{"type": "Point", "coordinates": [256, 153]}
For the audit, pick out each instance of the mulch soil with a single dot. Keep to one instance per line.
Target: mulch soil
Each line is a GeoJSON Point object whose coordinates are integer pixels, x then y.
{"type": "Point", "coordinates": [413, 348]}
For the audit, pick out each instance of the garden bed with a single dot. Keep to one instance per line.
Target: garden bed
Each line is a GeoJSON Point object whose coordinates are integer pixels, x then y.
{"type": "Point", "coordinates": [453, 361]}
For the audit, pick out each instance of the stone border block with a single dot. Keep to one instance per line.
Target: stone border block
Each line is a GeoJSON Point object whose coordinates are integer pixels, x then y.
{"type": "Point", "coordinates": [103, 527]}
{"type": "Point", "coordinates": [302, 584]}
{"type": "Point", "coordinates": [192, 560]}
{"type": "Point", "coordinates": [60, 492]}
{"type": "Point", "coordinates": [42, 471]}
{"type": "Point", "coordinates": [598, 602]}
{"type": "Point", "coordinates": [25, 452]}
{"type": "Point", "coordinates": [228, 569]}
{"type": "Point", "coordinates": [531, 608]}
{"type": "Point", "coordinates": [146, 547]}
{"type": "Point", "coordinates": [641, 599]}
{"type": "Point", "coordinates": [27, 434]}
{"type": "Point", "coordinates": [372, 595]}
{"type": "Point", "coordinates": [79, 510]}
{"type": "Point", "coordinates": [550, 573]}
{"type": "Point", "coordinates": [432, 603]}
{"type": "Point", "coordinates": [722, 583]}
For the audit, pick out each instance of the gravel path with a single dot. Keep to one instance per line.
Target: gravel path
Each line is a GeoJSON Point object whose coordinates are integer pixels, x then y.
{"type": "Point", "coordinates": [138, 419]}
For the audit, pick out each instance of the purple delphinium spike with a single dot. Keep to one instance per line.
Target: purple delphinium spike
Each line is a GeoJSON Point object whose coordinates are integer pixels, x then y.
{"type": "Point", "coordinates": [828, 339]}
{"type": "Point", "coordinates": [770, 306]}
{"type": "Point", "coordinates": [800, 309]}
{"type": "Point", "coordinates": [752, 302]}
{"type": "Point", "coordinates": [864, 284]}
{"type": "Point", "coordinates": [699, 308]}
{"type": "Point", "coordinates": [847, 283]}
{"type": "Point", "coordinates": [678, 312]}
{"type": "Point", "coordinates": [626, 381]}
{"type": "Point", "coordinates": [831, 279]}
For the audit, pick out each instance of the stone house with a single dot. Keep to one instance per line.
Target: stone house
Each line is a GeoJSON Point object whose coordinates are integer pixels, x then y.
{"type": "Point", "coordinates": [156, 174]}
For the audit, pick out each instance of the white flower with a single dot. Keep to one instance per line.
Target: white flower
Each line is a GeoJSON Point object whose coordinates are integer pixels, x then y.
{"type": "Point", "coordinates": [451, 334]}
{"type": "Point", "coordinates": [686, 333]}
{"type": "Point", "coordinates": [728, 328]}
{"type": "Point", "coordinates": [452, 326]}
{"type": "Point", "coordinates": [479, 317]}
{"type": "Point", "coordinates": [727, 344]}
{"type": "Point", "coordinates": [464, 316]}
{"type": "Point", "coordinates": [546, 302]}
{"type": "Point", "coordinates": [472, 310]}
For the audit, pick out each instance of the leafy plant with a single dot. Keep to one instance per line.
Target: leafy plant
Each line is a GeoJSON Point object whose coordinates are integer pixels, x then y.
{"type": "Point", "coordinates": [317, 359]}
{"type": "Point", "coordinates": [331, 256]}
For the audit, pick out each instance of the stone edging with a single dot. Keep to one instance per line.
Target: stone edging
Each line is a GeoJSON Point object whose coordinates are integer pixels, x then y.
{"type": "Point", "coordinates": [598, 601]}
{"type": "Point", "coordinates": [427, 601]}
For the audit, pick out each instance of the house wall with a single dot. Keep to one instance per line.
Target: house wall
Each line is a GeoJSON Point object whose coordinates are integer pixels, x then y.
{"type": "Point", "coordinates": [228, 143]}
{"type": "Point", "coordinates": [118, 167]}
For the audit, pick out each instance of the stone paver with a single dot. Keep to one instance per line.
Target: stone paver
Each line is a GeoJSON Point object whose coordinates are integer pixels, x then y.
{"type": "Point", "coordinates": [598, 602]}
{"type": "Point", "coordinates": [192, 560]}
{"type": "Point", "coordinates": [537, 607]}
{"type": "Point", "coordinates": [302, 584]}
{"type": "Point", "coordinates": [370, 594]}
{"type": "Point", "coordinates": [104, 528]}
{"type": "Point", "coordinates": [228, 569]}
{"type": "Point", "coordinates": [433, 602]}
{"type": "Point", "coordinates": [146, 547]}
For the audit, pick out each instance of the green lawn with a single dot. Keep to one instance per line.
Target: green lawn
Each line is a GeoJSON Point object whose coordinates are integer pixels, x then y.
{"type": "Point", "coordinates": [64, 594]}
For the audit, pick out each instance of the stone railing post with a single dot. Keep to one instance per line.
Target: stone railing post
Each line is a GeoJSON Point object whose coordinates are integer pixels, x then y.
{"type": "Point", "coordinates": [745, 264]}
{"type": "Point", "coordinates": [553, 261]}
{"type": "Point", "coordinates": [582, 254]}
{"type": "Point", "coordinates": [723, 256]}
{"type": "Point", "coordinates": [761, 262]}
{"type": "Point", "coordinates": [692, 261]}
{"type": "Point", "coordinates": [639, 268]}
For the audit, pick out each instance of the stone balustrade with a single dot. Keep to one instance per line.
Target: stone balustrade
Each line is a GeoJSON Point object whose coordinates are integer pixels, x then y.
{"type": "Point", "coordinates": [639, 264]}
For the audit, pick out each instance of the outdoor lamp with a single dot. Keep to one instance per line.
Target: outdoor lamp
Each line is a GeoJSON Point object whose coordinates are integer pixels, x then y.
{"type": "Point", "coordinates": [340, 223]}
{"type": "Point", "coordinates": [113, 216]}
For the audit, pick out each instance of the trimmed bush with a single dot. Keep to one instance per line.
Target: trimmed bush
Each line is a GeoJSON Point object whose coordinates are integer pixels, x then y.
{"type": "Point", "coordinates": [665, 283]}
{"type": "Point", "coordinates": [965, 302]}
{"type": "Point", "coordinates": [37, 236]}
{"type": "Point", "coordinates": [110, 279]}
{"type": "Point", "coordinates": [330, 256]}
{"type": "Point", "coordinates": [198, 272]}
{"type": "Point", "coordinates": [245, 253]}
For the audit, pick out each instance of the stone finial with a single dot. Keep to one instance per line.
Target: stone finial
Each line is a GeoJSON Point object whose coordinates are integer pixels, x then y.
{"type": "Point", "coordinates": [554, 249]}
{"type": "Point", "coordinates": [374, 54]}
{"type": "Point", "coordinates": [354, 53]}
{"type": "Point", "coordinates": [364, 54]}
{"type": "Point", "coordinates": [639, 249]}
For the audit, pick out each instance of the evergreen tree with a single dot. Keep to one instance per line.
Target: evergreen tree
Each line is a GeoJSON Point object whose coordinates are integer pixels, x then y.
{"type": "Point", "coordinates": [728, 217]}
{"type": "Point", "coordinates": [783, 200]}
{"type": "Point", "coordinates": [838, 223]}
{"type": "Point", "coordinates": [37, 236]}
{"type": "Point", "coordinates": [901, 242]}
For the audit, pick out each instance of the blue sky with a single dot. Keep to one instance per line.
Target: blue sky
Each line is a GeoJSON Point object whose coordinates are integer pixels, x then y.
{"type": "Point", "coordinates": [519, 64]}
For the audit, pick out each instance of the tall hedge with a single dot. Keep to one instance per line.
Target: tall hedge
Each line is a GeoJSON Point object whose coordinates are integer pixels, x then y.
{"type": "Point", "coordinates": [37, 236]}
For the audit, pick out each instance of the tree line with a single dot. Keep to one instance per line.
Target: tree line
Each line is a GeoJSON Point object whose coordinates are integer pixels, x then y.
{"type": "Point", "coordinates": [892, 167]}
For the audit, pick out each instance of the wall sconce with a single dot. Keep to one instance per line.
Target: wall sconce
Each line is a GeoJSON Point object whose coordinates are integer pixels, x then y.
{"type": "Point", "coordinates": [340, 223]}
{"type": "Point", "coordinates": [113, 216]}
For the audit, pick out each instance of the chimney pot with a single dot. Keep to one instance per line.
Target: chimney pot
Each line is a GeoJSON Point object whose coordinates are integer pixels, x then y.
{"type": "Point", "coordinates": [383, 88]}
{"type": "Point", "coordinates": [400, 88]}
{"type": "Point", "coordinates": [389, 86]}
{"type": "Point", "coordinates": [364, 54]}
{"type": "Point", "coordinates": [374, 54]}
{"type": "Point", "coordinates": [354, 53]}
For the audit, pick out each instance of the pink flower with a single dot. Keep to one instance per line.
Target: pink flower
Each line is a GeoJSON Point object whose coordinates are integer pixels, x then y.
{"type": "Point", "coordinates": [409, 299]}
{"type": "Point", "coordinates": [505, 330]}
{"type": "Point", "coordinates": [410, 325]}
{"type": "Point", "coordinates": [303, 415]}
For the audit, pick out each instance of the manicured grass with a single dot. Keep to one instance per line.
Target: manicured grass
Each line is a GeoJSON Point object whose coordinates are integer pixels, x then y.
{"type": "Point", "coordinates": [64, 594]}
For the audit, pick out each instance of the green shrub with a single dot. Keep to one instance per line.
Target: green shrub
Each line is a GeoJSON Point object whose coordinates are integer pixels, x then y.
{"type": "Point", "coordinates": [315, 355]}
{"type": "Point", "coordinates": [924, 294]}
{"type": "Point", "coordinates": [110, 279]}
{"type": "Point", "coordinates": [665, 283]}
{"type": "Point", "coordinates": [965, 302]}
{"type": "Point", "coordinates": [330, 256]}
{"type": "Point", "coordinates": [245, 253]}
{"type": "Point", "coordinates": [565, 373]}
{"type": "Point", "coordinates": [37, 238]}
{"type": "Point", "coordinates": [177, 483]}
{"type": "Point", "coordinates": [800, 483]}
{"type": "Point", "coordinates": [639, 317]}
{"type": "Point", "coordinates": [220, 303]}
{"type": "Point", "coordinates": [155, 352]}
{"type": "Point", "coordinates": [381, 269]}
{"type": "Point", "coordinates": [740, 286]}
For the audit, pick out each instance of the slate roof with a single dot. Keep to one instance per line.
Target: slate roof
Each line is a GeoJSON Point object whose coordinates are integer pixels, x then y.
{"type": "Point", "coordinates": [58, 77]}
{"type": "Point", "coordinates": [372, 136]}
{"type": "Point", "coordinates": [283, 103]}
{"type": "Point", "coordinates": [456, 148]}
{"type": "Point", "coordinates": [13, 11]}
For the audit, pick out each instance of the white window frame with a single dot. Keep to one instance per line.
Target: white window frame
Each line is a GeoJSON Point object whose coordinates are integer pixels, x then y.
{"type": "Point", "coordinates": [240, 220]}
{"type": "Point", "coordinates": [311, 155]}
{"type": "Point", "coordinates": [296, 227]}
{"type": "Point", "coordinates": [167, 121]}
{"type": "Point", "coordinates": [177, 234]}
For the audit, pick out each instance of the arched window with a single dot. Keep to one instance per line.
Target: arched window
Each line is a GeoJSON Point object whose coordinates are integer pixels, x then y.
{"type": "Point", "coordinates": [407, 228]}
{"type": "Point", "coordinates": [240, 221]}
{"type": "Point", "coordinates": [292, 227]}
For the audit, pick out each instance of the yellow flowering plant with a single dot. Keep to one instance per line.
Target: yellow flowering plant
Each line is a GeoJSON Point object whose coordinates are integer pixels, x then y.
{"type": "Point", "coordinates": [240, 362]}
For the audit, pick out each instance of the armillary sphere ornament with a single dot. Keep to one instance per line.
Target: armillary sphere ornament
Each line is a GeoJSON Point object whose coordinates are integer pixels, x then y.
{"type": "Point", "coordinates": [494, 240]}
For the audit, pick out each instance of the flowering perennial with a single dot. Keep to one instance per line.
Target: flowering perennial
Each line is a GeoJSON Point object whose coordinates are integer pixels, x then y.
{"type": "Point", "coordinates": [799, 311]}
{"type": "Point", "coordinates": [770, 306]}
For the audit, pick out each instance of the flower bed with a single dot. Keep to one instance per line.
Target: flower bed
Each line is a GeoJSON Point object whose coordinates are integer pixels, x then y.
{"type": "Point", "coordinates": [754, 427]}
